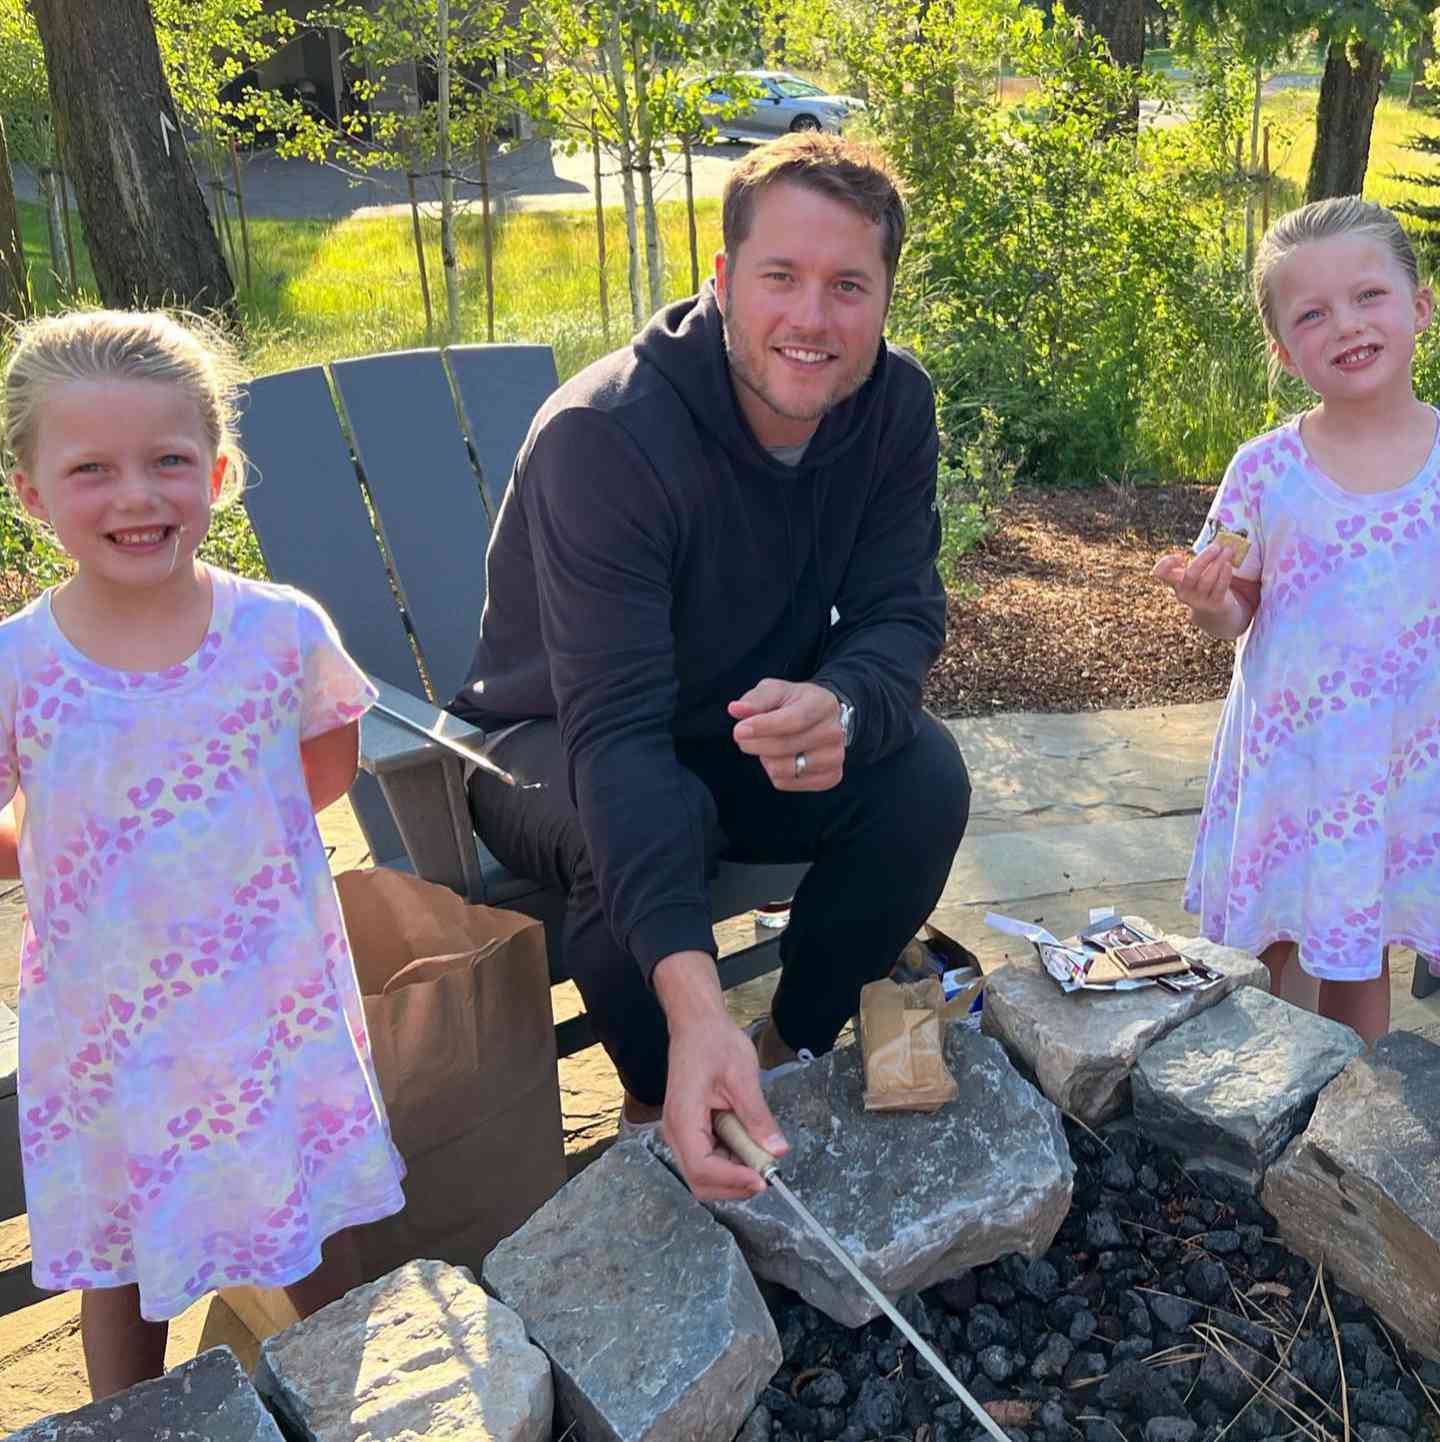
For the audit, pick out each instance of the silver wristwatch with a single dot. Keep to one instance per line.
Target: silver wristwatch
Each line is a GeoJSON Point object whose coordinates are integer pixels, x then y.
{"type": "Point", "coordinates": [847, 715]}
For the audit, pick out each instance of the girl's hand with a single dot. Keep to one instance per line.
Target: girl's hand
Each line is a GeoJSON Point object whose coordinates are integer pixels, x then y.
{"type": "Point", "coordinates": [1220, 605]}
{"type": "Point", "coordinates": [1202, 582]}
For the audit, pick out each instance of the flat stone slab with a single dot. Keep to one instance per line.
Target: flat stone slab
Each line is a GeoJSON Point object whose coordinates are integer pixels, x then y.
{"type": "Point", "coordinates": [1081, 1048]}
{"type": "Point", "coordinates": [915, 1198]}
{"type": "Point", "coordinates": [1360, 1187]}
{"type": "Point", "coordinates": [1231, 1087]}
{"type": "Point", "coordinates": [207, 1399]}
{"type": "Point", "coordinates": [423, 1353]}
{"type": "Point", "coordinates": [1026, 862]}
{"type": "Point", "coordinates": [643, 1304]}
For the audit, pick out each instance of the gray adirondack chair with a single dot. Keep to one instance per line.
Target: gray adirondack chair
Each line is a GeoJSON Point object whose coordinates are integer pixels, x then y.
{"type": "Point", "coordinates": [377, 482]}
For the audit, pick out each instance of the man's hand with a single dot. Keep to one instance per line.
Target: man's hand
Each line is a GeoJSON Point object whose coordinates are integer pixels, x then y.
{"type": "Point", "coordinates": [713, 1068]}
{"type": "Point", "coordinates": [783, 720]}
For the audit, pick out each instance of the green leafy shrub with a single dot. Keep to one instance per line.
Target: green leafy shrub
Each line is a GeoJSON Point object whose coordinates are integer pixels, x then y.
{"type": "Point", "coordinates": [1052, 244]}
{"type": "Point", "coordinates": [975, 478]}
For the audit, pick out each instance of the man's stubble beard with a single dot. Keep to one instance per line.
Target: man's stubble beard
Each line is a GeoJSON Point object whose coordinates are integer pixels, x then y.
{"type": "Point", "coordinates": [737, 340]}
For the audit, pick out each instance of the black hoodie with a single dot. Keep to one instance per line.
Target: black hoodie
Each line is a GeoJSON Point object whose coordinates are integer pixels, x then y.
{"type": "Point", "coordinates": [652, 561]}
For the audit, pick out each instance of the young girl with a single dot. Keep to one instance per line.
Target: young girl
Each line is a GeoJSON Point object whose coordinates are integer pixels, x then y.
{"type": "Point", "coordinates": [1321, 826]}
{"type": "Point", "coordinates": [197, 1106]}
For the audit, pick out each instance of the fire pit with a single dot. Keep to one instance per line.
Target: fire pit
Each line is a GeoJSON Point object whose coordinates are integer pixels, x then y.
{"type": "Point", "coordinates": [1079, 1235]}
{"type": "Point", "coordinates": [1166, 1310]}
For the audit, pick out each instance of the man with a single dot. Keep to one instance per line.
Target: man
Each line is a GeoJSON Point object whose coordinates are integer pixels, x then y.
{"type": "Point", "coordinates": [713, 580]}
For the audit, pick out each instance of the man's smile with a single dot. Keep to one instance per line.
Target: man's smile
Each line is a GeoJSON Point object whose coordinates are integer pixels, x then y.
{"type": "Point", "coordinates": [803, 355]}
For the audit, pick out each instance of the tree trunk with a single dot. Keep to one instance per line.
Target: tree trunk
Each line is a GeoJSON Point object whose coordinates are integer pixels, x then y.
{"type": "Point", "coordinates": [14, 278]}
{"type": "Point", "coordinates": [690, 221]}
{"type": "Point", "coordinates": [645, 126]}
{"type": "Point", "coordinates": [420, 254]}
{"type": "Point", "coordinates": [1254, 168]}
{"type": "Point", "coordinates": [150, 237]}
{"type": "Point", "coordinates": [49, 179]}
{"type": "Point", "coordinates": [1121, 24]}
{"type": "Point", "coordinates": [615, 60]}
{"type": "Point", "coordinates": [448, 262]}
{"type": "Point", "coordinates": [240, 206]}
{"type": "Point", "coordinates": [1421, 54]}
{"type": "Point", "coordinates": [600, 231]}
{"type": "Point", "coordinates": [1343, 118]}
{"type": "Point", "coordinates": [487, 235]}
{"type": "Point", "coordinates": [72, 270]}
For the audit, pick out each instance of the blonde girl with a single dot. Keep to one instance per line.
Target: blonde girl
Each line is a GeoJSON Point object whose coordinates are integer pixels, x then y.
{"type": "Point", "coordinates": [197, 1107]}
{"type": "Point", "coordinates": [1321, 826]}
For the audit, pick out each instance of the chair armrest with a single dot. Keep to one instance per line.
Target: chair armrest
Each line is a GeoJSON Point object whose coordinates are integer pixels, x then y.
{"type": "Point", "coordinates": [387, 745]}
{"type": "Point", "coordinates": [424, 785]}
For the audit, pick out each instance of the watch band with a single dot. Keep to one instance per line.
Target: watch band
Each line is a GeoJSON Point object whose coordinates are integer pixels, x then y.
{"type": "Point", "coordinates": [847, 714]}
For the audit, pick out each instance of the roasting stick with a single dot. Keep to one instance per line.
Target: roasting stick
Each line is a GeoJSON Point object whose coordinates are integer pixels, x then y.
{"type": "Point", "coordinates": [459, 748]}
{"type": "Point", "coordinates": [731, 1131]}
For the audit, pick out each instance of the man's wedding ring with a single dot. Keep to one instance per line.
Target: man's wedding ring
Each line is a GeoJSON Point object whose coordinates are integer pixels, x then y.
{"type": "Point", "coordinates": [801, 762]}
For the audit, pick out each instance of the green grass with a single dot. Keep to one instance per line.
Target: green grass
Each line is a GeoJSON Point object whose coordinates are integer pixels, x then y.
{"type": "Point", "coordinates": [44, 284]}
{"type": "Point", "coordinates": [322, 290]}
{"type": "Point", "coordinates": [352, 287]}
{"type": "Point", "coordinates": [1291, 116]}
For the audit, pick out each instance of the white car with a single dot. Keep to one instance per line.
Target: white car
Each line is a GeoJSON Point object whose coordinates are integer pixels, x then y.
{"type": "Point", "coordinates": [785, 102]}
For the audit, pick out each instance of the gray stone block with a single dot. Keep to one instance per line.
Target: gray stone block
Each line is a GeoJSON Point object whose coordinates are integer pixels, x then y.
{"type": "Point", "coordinates": [1360, 1187]}
{"type": "Point", "coordinates": [644, 1305]}
{"type": "Point", "coordinates": [422, 1354]}
{"type": "Point", "coordinates": [1231, 1087]}
{"type": "Point", "coordinates": [207, 1399]}
{"type": "Point", "coordinates": [1082, 1048]}
{"type": "Point", "coordinates": [914, 1198]}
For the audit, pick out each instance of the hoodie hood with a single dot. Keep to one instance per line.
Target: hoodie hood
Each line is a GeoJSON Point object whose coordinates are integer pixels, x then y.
{"type": "Point", "coordinates": [685, 342]}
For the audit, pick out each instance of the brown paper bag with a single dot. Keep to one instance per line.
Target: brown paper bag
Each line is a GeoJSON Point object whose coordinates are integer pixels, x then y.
{"type": "Point", "coordinates": [902, 1044]}
{"type": "Point", "coordinates": [457, 1002]}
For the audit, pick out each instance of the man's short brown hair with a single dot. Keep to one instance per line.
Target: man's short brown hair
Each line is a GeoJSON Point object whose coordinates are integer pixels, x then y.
{"type": "Point", "coordinates": [856, 175]}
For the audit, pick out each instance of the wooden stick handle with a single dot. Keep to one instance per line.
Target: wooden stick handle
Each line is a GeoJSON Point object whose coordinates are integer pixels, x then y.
{"type": "Point", "coordinates": [731, 1131]}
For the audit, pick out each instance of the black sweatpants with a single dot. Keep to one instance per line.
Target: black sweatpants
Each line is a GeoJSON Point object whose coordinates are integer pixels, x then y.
{"type": "Point", "coordinates": [880, 844]}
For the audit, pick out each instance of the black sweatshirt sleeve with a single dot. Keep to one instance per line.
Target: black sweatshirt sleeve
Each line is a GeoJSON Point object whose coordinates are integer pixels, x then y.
{"type": "Point", "coordinates": [604, 535]}
{"type": "Point", "coordinates": [891, 600]}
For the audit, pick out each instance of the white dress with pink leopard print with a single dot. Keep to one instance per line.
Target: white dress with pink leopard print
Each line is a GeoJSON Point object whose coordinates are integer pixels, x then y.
{"type": "Point", "coordinates": [197, 1106]}
{"type": "Point", "coordinates": [1322, 814]}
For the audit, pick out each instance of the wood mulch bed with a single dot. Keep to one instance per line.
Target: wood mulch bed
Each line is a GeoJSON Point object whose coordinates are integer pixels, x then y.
{"type": "Point", "coordinates": [1056, 611]}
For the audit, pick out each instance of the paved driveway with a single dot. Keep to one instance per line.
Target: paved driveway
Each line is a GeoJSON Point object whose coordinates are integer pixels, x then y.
{"type": "Point", "coordinates": [532, 176]}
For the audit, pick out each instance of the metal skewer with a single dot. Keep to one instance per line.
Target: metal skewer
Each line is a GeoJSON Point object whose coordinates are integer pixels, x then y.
{"type": "Point", "coordinates": [731, 1131]}
{"type": "Point", "coordinates": [458, 748]}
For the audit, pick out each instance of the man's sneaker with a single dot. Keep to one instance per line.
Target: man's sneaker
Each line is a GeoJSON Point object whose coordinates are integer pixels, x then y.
{"type": "Point", "coordinates": [803, 1057]}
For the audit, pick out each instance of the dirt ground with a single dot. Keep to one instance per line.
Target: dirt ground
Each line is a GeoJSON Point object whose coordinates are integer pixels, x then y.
{"type": "Point", "coordinates": [1057, 611]}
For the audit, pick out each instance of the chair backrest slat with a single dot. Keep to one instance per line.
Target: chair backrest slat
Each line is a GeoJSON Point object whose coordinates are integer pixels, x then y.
{"type": "Point", "coordinates": [427, 500]}
{"type": "Point", "coordinates": [501, 388]}
{"type": "Point", "coordinates": [309, 516]}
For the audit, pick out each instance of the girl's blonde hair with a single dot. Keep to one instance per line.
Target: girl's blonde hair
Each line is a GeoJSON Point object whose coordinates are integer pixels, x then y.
{"type": "Point", "coordinates": [172, 348]}
{"type": "Point", "coordinates": [1322, 220]}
